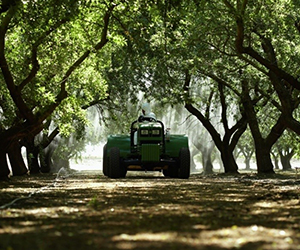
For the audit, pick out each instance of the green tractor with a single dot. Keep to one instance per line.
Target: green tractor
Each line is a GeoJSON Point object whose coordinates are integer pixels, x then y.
{"type": "Point", "coordinates": [148, 148]}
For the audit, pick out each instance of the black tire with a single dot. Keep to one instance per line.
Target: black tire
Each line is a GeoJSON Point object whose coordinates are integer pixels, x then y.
{"type": "Point", "coordinates": [184, 163]}
{"type": "Point", "coordinates": [105, 161]}
{"type": "Point", "coordinates": [115, 168]}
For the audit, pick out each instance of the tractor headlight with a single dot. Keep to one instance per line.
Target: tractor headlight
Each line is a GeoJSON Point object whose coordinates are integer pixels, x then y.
{"type": "Point", "coordinates": [144, 132]}
{"type": "Point", "coordinates": [155, 132]}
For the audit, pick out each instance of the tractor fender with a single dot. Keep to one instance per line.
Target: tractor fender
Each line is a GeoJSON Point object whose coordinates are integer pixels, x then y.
{"type": "Point", "coordinates": [175, 143]}
{"type": "Point", "coordinates": [120, 141]}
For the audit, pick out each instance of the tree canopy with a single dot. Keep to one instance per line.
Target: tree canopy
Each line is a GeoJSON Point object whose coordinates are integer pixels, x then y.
{"type": "Point", "coordinates": [232, 63]}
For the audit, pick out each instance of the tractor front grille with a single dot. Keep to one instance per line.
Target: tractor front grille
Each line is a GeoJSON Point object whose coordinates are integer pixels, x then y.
{"type": "Point", "coordinates": [150, 152]}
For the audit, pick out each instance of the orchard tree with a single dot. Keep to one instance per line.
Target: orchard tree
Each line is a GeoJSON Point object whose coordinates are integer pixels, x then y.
{"type": "Point", "coordinates": [164, 52]}
{"type": "Point", "coordinates": [245, 147]}
{"type": "Point", "coordinates": [222, 42]}
{"type": "Point", "coordinates": [266, 39]}
{"type": "Point", "coordinates": [48, 53]}
{"type": "Point", "coordinates": [267, 35]}
{"type": "Point", "coordinates": [286, 148]}
{"type": "Point", "coordinates": [227, 137]}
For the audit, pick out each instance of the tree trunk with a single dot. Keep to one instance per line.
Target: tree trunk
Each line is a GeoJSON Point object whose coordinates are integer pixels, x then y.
{"type": "Point", "coordinates": [225, 147]}
{"type": "Point", "coordinates": [10, 144]}
{"type": "Point", "coordinates": [263, 158]}
{"type": "Point", "coordinates": [231, 136]}
{"type": "Point", "coordinates": [262, 146]}
{"type": "Point", "coordinates": [46, 158]}
{"type": "Point", "coordinates": [33, 162]}
{"type": "Point", "coordinates": [286, 161]}
{"type": "Point", "coordinates": [208, 166]}
{"type": "Point", "coordinates": [276, 163]}
{"type": "Point", "coordinates": [206, 160]}
{"type": "Point", "coordinates": [228, 160]}
{"type": "Point", "coordinates": [32, 153]}
{"type": "Point", "coordinates": [247, 163]}
{"type": "Point", "coordinates": [275, 160]}
{"type": "Point", "coordinates": [4, 169]}
{"type": "Point", "coordinates": [247, 153]}
{"type": "Point", "coordinates": [16, 160]}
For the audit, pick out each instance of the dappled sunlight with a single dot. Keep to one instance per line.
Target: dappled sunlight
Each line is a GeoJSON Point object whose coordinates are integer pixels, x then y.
{"type": "Point", "coordinates": [153, 212]}
{"type": "Point", "coordinates": [237, 237]}
{"type": "Point", "coordinates": [146, 237]}
{"type": "Point", "coordinates": [227, 238]}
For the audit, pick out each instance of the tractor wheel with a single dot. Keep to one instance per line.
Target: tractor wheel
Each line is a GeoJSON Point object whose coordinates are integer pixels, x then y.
{"type": "Point", "coordinates": [105, 161]}
{"type": "Point", "coordinates": [115, 168]}
{"type": "Point", "coordinates": [184, 163]}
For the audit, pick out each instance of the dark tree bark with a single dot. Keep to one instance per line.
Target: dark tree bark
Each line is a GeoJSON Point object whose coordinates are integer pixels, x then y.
{"type": "Point", "coordinates": [285, 159]}
{"type": "Point", "coordinates": [10, 144]}
{"type": "Point", "coordinates": [263, 158]}
{"type": "Point", "coordinates": [284, 83]}
{"type": "Point", "coordinates": [225, 146]}
{"type": "Point", "coordinates": [262, 145]}
{"type": "Point", "coordinates": [231, 136]}
{"type": "Point", "coordinates": [31, 123]}
{"type": "Point", "coordinates": [4, 169]}
{"type": "Point", "coordinates": [15, 158]}
{"type": "Point", "coordinates": [46, 159]}
{"type": "Point", "coordinates": [32, 153]}
{"type": "Point", "coordinates": [228, 159]}
{"type": "Point", "coordinates": [262, 152]}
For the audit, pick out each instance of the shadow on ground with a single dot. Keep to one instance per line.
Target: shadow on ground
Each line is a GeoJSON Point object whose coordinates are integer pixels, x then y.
{"type": "Point", "coordinates": [86, 210]}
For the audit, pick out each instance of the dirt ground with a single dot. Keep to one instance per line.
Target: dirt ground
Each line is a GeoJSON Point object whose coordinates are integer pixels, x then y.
{"type": "Point", "coordinates": [85, 210]}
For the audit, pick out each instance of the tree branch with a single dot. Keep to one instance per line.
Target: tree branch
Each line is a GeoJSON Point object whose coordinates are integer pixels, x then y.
{"type": "Point", "coordinates": [224, 107]}
{"type": "Point", "coordinates": [15, 93]}
{"type": "Point", "coordinates": [255, 55]}
{"type": "Point", "coordinates": [63, 94]}
{"type": "Point", "coordinates": [219, 80]}
{"type": "Point", "coordinates": [34, 61]}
